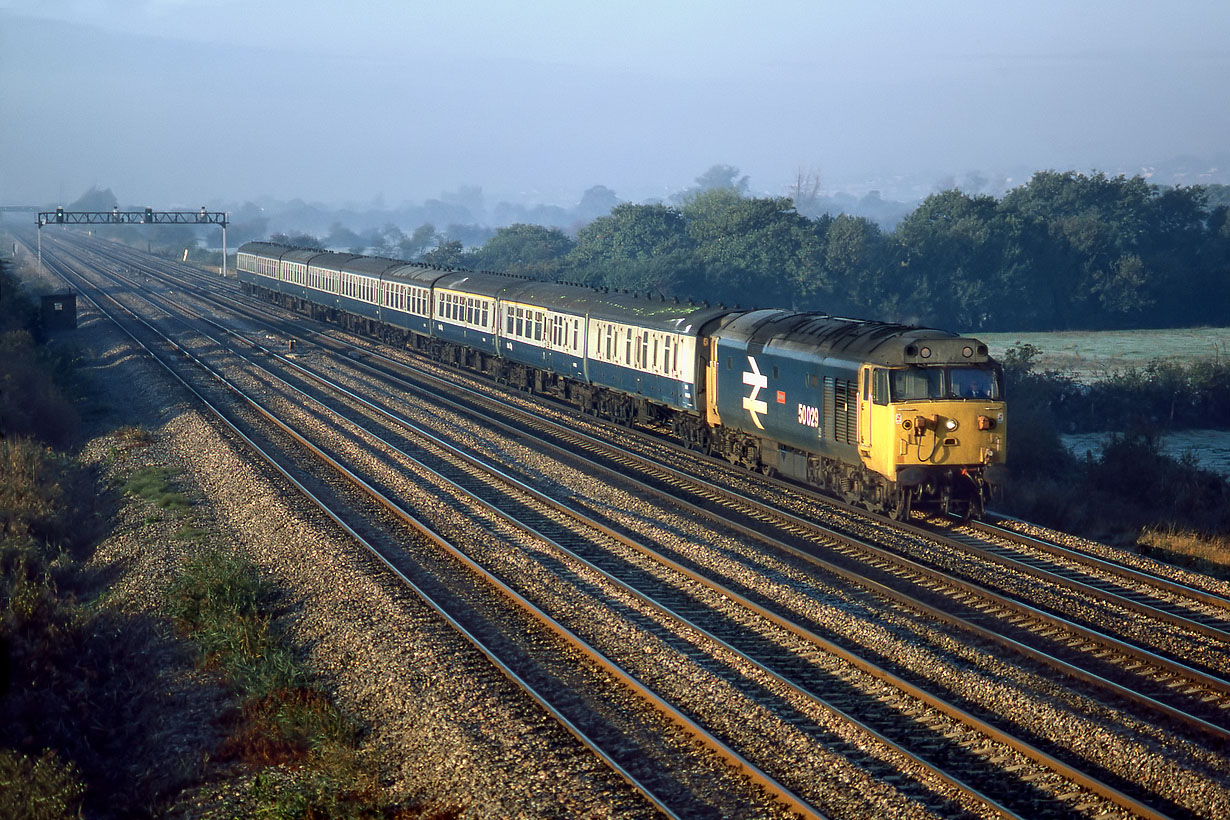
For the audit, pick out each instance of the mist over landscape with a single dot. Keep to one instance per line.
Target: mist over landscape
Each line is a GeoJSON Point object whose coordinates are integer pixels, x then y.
{"type": "Point", "coordinates": [513, 114]}
{"type": "Point", "coordinates": [985, 169]}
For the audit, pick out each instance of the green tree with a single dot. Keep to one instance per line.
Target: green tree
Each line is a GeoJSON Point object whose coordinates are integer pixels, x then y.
{"type": "Point", "coordinates": [528, 250]}
{"type": "Point", "coordinates": [597, 201]}
{"type": "Point", "coordinates": [414, 245]}
{"type": "Point", "coordinates": [717, 178]}
{"type": "Point", "coordinates": [449, 253]}
{"type": "Point", "coordinates": [953, 249]}
{"type": "Point", "coordinates": [298, 240]}
{"type": "Point", "coordinates": [342, 238]}
{"type": "Point", "coordinates": [95, 199]}
{"type": "Point", "coordinates": [1182, 282]}
{"type": "Point", "coordinates": [866, 281]}
{"type": "Point", "coordinates": [1089, 244]}
{"type": "Point", "coordinates": [642, 248]}
{"type": "Point", "coordinates": [759, 252]}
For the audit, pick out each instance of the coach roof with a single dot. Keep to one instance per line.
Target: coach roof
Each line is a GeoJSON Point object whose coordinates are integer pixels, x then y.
{"type": "Point", "coordinates": [627, 308]}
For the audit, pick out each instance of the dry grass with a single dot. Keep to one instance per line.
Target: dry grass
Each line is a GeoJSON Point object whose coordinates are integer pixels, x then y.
{"type": "Point", "coordinates": [1210, 554]}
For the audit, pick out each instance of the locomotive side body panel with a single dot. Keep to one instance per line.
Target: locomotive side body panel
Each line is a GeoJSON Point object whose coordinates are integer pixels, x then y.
{"type": "Point", "coordinates": [803, 402]}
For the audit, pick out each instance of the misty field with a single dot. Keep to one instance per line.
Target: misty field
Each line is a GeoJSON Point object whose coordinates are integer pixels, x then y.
{"type": "Point", "coordinates": [1090, 356]}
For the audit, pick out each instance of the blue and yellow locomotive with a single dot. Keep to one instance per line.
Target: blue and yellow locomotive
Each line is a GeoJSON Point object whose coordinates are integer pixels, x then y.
{"type": "Point", "coordinates": [885, 415]}
{"type": "Point", "coordinates": [888, 416]}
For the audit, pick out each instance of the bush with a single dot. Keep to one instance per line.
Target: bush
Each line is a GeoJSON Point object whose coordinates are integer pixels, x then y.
{"type": "Point", "coordinates": [42, 788]}
{"type": "Point", "coordinates": [33, 395]}
{"type": "Point", "coordinates": [1160, 396]}
{"type": "Point", "coordinates": [1152, 489]}
{"type": "Point", "coordinates": [1035, 401]}
{"type": "Point", "coordinates": [1131, 485]}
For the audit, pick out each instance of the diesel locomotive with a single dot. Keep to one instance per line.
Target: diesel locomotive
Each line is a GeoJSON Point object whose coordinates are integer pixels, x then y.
{"type": "Point", "coordinates": [887, 416]}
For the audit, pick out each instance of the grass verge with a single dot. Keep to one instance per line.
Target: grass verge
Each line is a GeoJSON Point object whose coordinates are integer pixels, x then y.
{"type": "Point", "coordinates": [305, 754]}
{"type": "Point", "coordinates": [1204, 553]}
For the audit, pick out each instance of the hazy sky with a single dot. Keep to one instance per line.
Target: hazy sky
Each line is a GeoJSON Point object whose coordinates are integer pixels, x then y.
{"type": "Point", "coordinates": [185, 102]}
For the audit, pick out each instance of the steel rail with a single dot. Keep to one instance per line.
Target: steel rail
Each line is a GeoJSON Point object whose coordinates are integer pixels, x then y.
{"type": "Point", "coordinates": [422, 528]}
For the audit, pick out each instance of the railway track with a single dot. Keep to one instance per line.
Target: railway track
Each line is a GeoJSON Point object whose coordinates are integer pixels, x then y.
{"type": "Point", "coordinates": [1072, 798]}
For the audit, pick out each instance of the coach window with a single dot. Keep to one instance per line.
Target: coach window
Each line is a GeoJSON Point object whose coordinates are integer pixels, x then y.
{"type": "Point", "coordinates": [666, 356]}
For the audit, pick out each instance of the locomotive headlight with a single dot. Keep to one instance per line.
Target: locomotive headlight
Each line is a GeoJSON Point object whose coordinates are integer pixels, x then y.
{"type": "Point", "coordinates": [950, 424]}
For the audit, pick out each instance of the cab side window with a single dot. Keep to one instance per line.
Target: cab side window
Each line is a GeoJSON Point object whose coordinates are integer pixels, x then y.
{"type": "Point", "coordinates": [879, 386]}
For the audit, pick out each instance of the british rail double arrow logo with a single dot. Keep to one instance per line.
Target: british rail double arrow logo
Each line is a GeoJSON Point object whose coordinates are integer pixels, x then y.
{"type": "Point", "coordinates": [757, 381]}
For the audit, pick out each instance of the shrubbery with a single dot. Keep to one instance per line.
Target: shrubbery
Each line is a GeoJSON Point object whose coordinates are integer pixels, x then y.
{"type": "Point", "coordinates": [89, 724]}
{"type": "Point", "coordinates": [34, 400]}
{"type": "Point", "coordinates": [1131, 485]}
{"type": "Point", "coordinates": [1160, 396]}
{"type": "Point", "coordinates": [69, 688]}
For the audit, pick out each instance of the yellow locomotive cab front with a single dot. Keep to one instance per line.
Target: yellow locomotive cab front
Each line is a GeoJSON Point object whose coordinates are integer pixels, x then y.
{"type": "Point", "coordinates": [937, 430]}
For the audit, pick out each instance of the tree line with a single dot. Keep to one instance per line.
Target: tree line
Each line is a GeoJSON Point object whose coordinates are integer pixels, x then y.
{"type": "Point", "coordinates": [1063, 251]}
